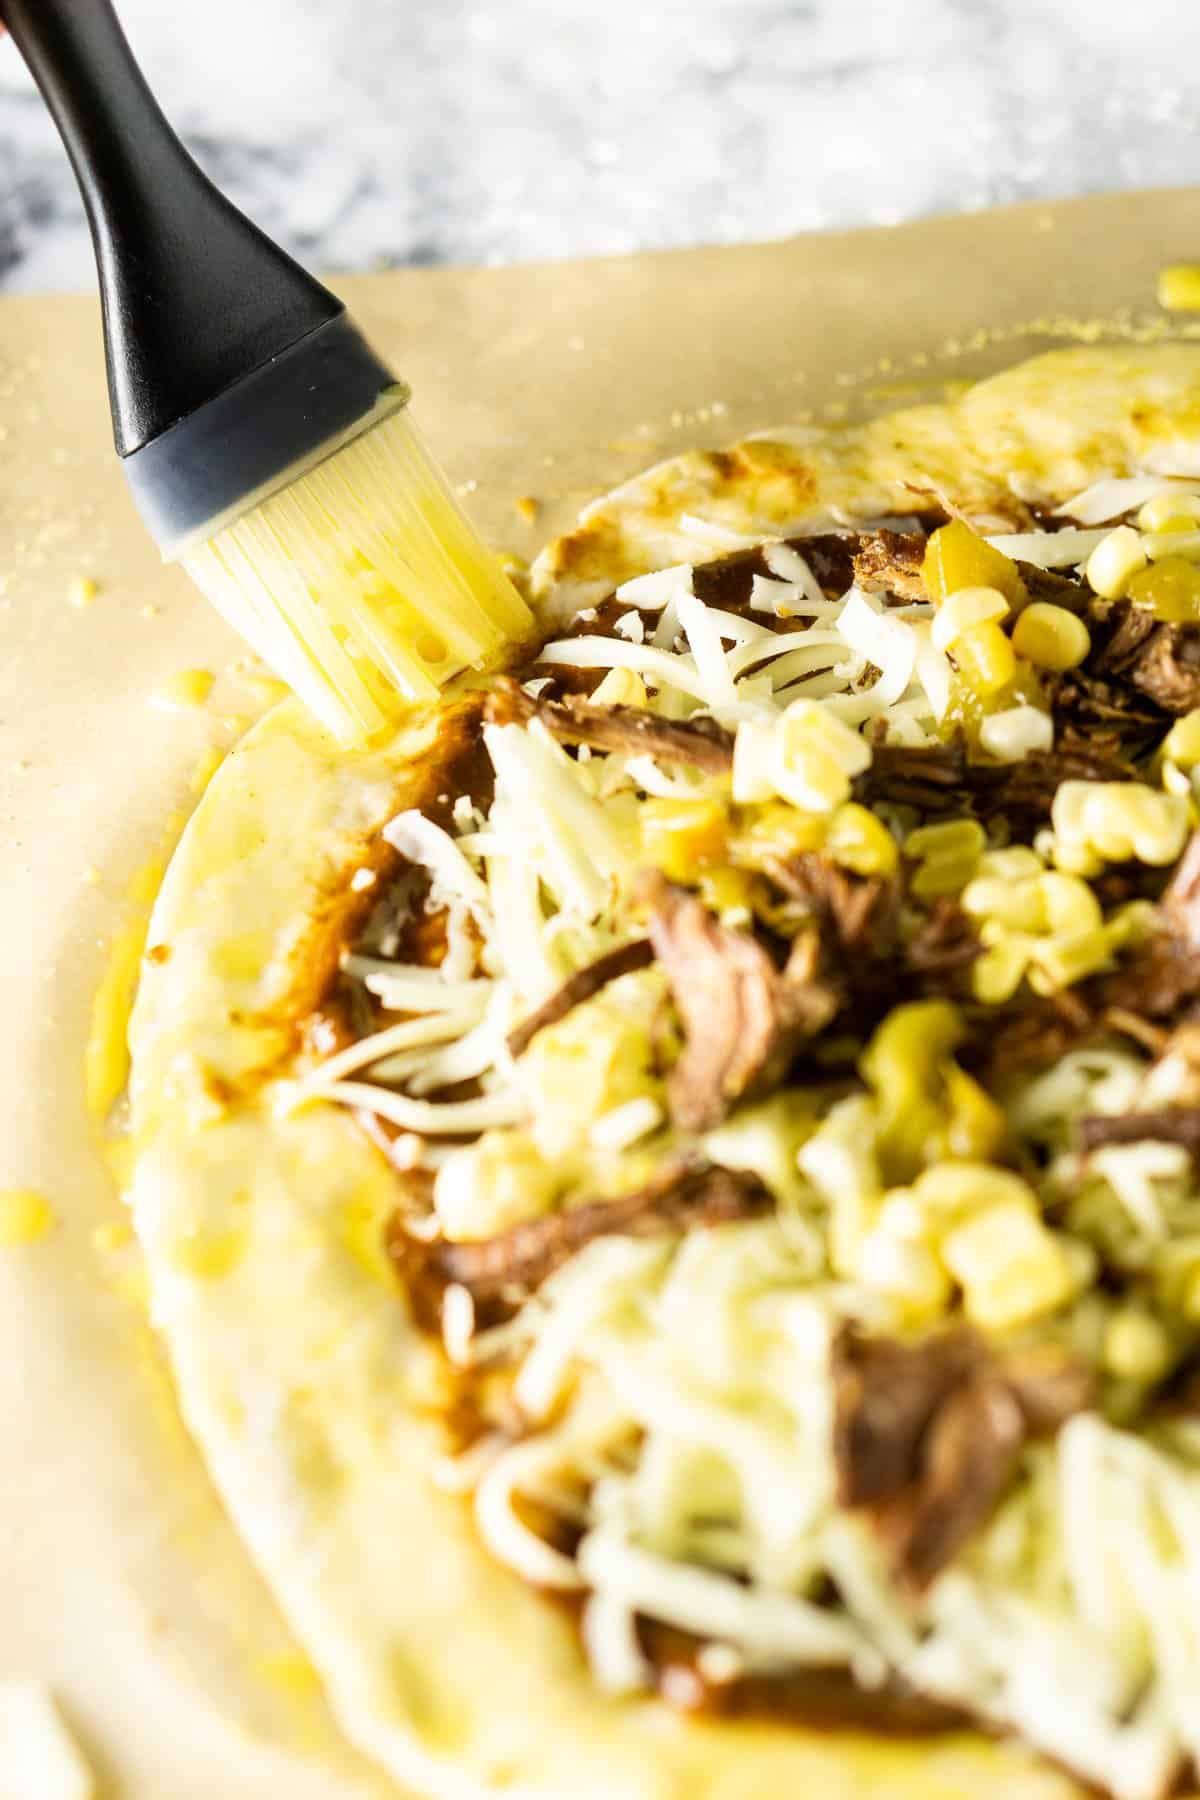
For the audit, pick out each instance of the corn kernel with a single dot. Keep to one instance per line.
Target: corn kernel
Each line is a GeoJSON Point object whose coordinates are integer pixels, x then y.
{"type": "Point", "coordinates": [681, 837]}
{"type": "Point", "coordinates": [858, 840]}
{"type": "Point", "coordinates": [1068, 903]}
{"type": "Point", "coordinates": [25, 1216]}
{"type": "Point", "coordinates": [1170, 589]}
{"type": "Point", "coordinates": [1017, 905]}
{"type": "Point", "coordinates": [957, 557]}
{"type": "Point", "coordinates": [82, 591]}
{"type": "Point", "coordinates": [951, 1190]}
{"type": "Point", "coordinates": [1189, 1299]}
{"type": "Point", "coordinates": [813, 779]}
{"type": "Point", "coordinates": [1182, 743]}
{"type": "Point", "coordinates": [975, 1125]}
{"type": "Point", "coordinates": [1114, 562]}
{"type": "Point", "coordinates": [908, 1273]}
{"type": "Point", "coordinates": [900, 1215]}
{"type": "Point", "coordinates": [777, 830]}
{"type": "Point", "coordinates": [1136, 1346]}
{"type": "Point", "coordinates": [1163, 511]}
{"type": "Point", "coordinates": [190, 687]}
{"type": "Point", "coordinates": [927, 1107]}
{"type": "Point", "coordinates": [729, 893]}
{"type": "Point", "coordinates": [1010, 1268]}
{"type": "Point", "coordinates": [807, 724]}
{"type": "Point", "coordinates": [816, 756]}
{"type": "Point", "coordinates": [940, 875]}
{"type": "Point", "coordinates": [964, 608]}
{"type": "Point", "coordinates": [985, 659]}
{"type": "Point", "coordinates": [808, 756]}
{"type": "Point", "coordinates": [948, 855]}
{"type": "Point", "coordinates": [1013, 863]}
{"type": "Point", "coordinates": [1050, 637]}
{"type": "Point", "coordinates": [1131, 924]}
{"type": "Point", "coordinates": [999, 971]}
{"type": "Point", "coordinates": [1056, 962]}
{"type": "Point", "coordinates": [1115, 821]}
{"type": "Point", "coordinates": [621, 687]}
{"type": "Point", "coordinates": [1013, 734]}
{"type": "Point", "coordinates": [1179, 287]}
{"type": "Point", "coordinates": [954, 837]}
{"type": "Point", "coordinates": [1158, 545]}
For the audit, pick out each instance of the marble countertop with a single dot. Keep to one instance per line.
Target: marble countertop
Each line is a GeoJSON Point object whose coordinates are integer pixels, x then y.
{"type": "Point", "coordinates": [372, 133]}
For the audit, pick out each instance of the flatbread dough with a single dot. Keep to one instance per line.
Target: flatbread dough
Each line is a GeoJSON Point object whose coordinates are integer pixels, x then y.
{"type": "Point", "coordinates": [306, 1388]}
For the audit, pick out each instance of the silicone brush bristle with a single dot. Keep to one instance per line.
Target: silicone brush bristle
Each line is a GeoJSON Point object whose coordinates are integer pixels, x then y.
{"type": "Point", "coordinates": [363, 583]}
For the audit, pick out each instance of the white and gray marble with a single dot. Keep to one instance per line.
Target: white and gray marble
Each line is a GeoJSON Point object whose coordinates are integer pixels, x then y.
{"type": "Point", "coordinates": [370, 133]}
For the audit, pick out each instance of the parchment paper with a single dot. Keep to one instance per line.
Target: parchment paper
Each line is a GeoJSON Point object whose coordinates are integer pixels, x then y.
{"type": "Point", "coordinates": [120, 1582]}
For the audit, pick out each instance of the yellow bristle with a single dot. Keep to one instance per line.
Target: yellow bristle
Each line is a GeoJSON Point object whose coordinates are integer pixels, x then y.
{"type": "Point", "coordinates": [363, 583]}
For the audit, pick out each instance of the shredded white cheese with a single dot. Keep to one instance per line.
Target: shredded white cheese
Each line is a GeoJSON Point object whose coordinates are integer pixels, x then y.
{"type": "Point", "coordinates": [1062, 549]}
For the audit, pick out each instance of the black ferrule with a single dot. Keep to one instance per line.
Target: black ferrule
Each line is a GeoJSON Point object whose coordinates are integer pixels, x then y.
{"type": "Point", "coordinates": [236, 448]}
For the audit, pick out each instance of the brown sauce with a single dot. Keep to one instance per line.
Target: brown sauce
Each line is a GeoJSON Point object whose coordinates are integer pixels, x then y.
{"type": "Point", "coordinates": [820, 1699]}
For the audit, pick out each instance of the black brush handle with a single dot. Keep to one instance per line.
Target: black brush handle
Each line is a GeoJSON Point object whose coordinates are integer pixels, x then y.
{"type": "Point", "coordinates": [195, 296]}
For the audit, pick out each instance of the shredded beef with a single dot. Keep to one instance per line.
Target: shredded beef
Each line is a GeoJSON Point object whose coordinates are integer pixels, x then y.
{"type": "Point", "coordinates": [856, 952]}
{"type": "Point", "coordinates": [500, 1272]}
{"type": "Point", "coordinates": [815, 990]}
{"type": "Point", "coordinates": [927, 1435]}
{"type": "Point", "coordinates": [1023, 792]}
{"type": "Point", "coordinates": [1036, 1030]}
{"type": "Point", "coordinates": [742, 1017]}
{"type": "Point", "coordinates": [932, 777]}
{"type": "Point", "coordinates": [1165, 1125]}
{"type": "Point", "coordinates": [860, 913]}
{"type": "Point", "coordinates": [580, 987]}
{"type": "Point", "coordinates": [632, 729]}
{"type": "Point", "coordinates": [1181, 897]}
{"type": "Point", "coordinates": [1058, 589]}
{"type": "Point", "coordinates": [1086, 703]}
{"type": "Point", "coordinates": [1161, 661]}
{"type": "Point", "coordinates": [943, 945]}
{"type": "Point", "coordinates": [939, 778]}
{"type": "Point", "coordinates": [890, 562]}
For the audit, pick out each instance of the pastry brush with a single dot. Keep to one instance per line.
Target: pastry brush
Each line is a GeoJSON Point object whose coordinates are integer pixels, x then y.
{"type": "Point", "coordinates": [267, 447]}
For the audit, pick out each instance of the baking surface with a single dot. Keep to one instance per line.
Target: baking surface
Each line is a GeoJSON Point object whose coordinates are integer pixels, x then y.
{"type": "Point", "coordinates": [122, 1584]}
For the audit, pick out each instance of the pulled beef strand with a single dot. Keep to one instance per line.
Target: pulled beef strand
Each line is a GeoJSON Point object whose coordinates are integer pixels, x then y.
{"type": "Point", "coordinates": [939, 778]}
{"type": "Point", "coordinates": [632, 730]}
{"type": "Point", "coordinates": [742, 1017]}
{"type": "Point", "coordinates": [1165, 1125]}
{"type": "Point", "coordinates": [927, 1435]}
{"type": "Point", "coordinates": [1159, 660]}
{"type": "Point", "coordinates": [499, 1272]}
{"type": "Point", "coordinates": [1180, 901]}
{"type": "Point", "coordinates": [581, 986]}
{"type": "Point", "coordinates": [890, 562]}
{"type": "Point", "coordinates": [859, 913]}
{"type": "Point", "coordinates": [931, 777]}
{"type": "Point", "coordinates": [943, 945]}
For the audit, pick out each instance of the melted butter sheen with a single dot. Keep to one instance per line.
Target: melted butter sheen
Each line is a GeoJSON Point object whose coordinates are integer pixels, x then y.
{"type": "Point", "coordinates": [190, 687]}
{"type": "Point", "coordinates": [25, 1216]}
